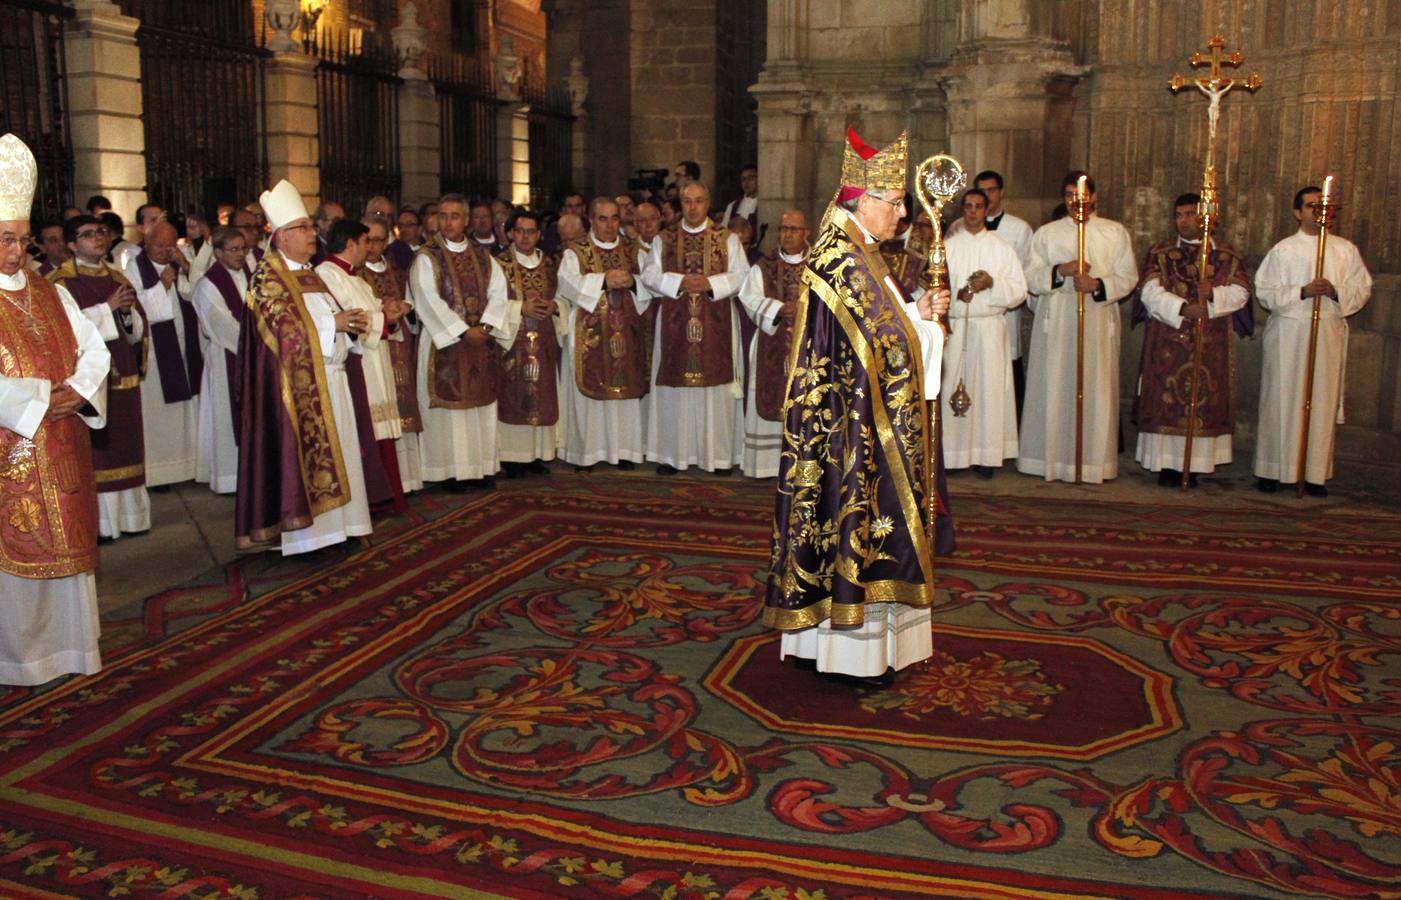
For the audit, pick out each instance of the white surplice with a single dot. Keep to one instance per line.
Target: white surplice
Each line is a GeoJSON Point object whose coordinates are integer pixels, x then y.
{"type": "Point", "coordinates": [217, 461]}
{"type": "Point", "coordinates": [49, 626]}
{"type": "Point", "coordinates": [1156, 452]}
{"type": "Point", "coordinates": [1285, 270]}
{"type": "Point", "coordinates": [455, 443]}
{"type": "Point", "coordinates": [126, 511]}
{"type": "Point", "coordinates": [892, 635]}
{"type": "Point", "coordinates": [354, 292]}
{"type": "Point", "coordinates": [1048, 417]}
{"type": "Point", "coordinates": [406, 446]}
{"type": "Point", "coordinates": [696, 426]}
{"type": "Point", "coordinates": [763, 440]}
{"type": "Point", "coordinates": [171, 429]}
{"type": "Point", "coordinates": [595, 430]}
{"type": "Point", "coordinates": [978, 352]}
{"type": "Point", "coordinates": [528, 443]}
{"type": "Point", "coordinates": [353, 518]}
{"type": "Point", "coordinates": [200, 260]}
{"type": "Point", "coordinates": [1017, 232]}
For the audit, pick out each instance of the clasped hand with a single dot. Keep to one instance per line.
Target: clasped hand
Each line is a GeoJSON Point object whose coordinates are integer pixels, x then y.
{"type": "Point", "coordinates": [353, 321]}
{"type": "Point", "coordinates": [63, 401]}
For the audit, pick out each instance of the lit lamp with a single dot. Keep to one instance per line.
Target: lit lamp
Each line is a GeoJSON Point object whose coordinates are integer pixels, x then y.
{"type": "Point", "coordinates": [311, 11]}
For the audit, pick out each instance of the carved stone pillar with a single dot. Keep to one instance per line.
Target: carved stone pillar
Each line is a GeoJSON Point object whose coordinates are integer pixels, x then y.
{"type": "Point", "coordinates": [419, 130]}
{"type": "Point", "coordinates": [104, 105]}
{"type": "Point", "coordinates": [294, 148]}
{"type": "Point", "coordinates": [1009, 103]}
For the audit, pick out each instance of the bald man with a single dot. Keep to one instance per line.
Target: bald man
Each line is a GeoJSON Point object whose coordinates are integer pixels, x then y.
{"type": "Point", "coordinates": [695, 406]}
{"type": "Point", "coordinates": [170, 396]}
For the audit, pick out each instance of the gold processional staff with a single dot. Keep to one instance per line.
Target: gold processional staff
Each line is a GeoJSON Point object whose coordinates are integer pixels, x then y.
{"type": "Point", "coordinates": [1327, 208]}
{"type": "Point", "coordinates": [1214, 85]}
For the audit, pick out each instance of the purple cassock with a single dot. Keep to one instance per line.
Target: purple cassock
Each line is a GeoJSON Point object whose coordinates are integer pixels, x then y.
{"type": "Point", "coordinates": [119, 449]}
{"type": "Point", "coordinates": [400, 254]}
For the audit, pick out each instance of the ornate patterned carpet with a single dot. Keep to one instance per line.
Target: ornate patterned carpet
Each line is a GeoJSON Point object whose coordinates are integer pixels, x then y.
{"type": "Point", "coordinates": [562, 688]}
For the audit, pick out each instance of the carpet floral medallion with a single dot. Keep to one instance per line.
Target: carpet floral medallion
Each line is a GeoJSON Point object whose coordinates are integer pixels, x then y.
{"type": "Point", "coordinates": [564, 689]}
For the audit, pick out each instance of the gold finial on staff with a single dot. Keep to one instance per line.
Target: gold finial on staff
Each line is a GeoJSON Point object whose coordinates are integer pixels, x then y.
{"type": "Point", "coordinates": [1215, 84]}
{"type": "Point", "coordinates": [1080, 211]}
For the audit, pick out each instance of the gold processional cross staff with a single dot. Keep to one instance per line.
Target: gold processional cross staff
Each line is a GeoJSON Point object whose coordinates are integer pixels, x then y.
{"type": "Point", "coordinates": [1327, 209]}
{"type": "Point", "coordinates": [1215, 85]}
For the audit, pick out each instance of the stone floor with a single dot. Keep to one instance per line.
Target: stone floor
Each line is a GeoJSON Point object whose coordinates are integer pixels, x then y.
{"type": "Point", "coordinates": [193, 528]}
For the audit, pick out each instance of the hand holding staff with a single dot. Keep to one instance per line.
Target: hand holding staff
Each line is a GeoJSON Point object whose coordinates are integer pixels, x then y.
{"type": "Point", "coordinates": [1327, 208]}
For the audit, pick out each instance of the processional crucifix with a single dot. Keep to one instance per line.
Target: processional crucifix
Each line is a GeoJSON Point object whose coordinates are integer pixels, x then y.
{"type": "Point", "coordinates": [1215, 84]}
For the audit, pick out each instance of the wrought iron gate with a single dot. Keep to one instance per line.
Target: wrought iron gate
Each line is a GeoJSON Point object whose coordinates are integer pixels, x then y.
{"type": "Point", "coordinates": [33, 95]}
{"type": "Point", "coordinates": [551, 133]}
{"type": "Point", "coordinates": [358, 101]}
{"type": "Point", "coordinates": [202, 102]}
{"type": "Point", "coordinates": [467, 109]}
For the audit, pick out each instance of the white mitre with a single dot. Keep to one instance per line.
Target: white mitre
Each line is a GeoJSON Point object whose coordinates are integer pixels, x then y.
{"type": "Point", "coordinates": [19, 174]}
{"type": "Point", "coordinates": [282, 205]}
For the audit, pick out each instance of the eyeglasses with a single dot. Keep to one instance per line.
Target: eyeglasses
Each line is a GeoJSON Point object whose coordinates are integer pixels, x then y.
{"type": "Point", "coordinates": [898, 204]}
{"type": "Point", "coordinates": [11, 241]}
{"type": "Point", "coordinates": [88, 234]}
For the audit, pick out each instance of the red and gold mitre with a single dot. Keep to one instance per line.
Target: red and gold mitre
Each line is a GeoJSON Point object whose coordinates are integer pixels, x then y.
{"type": "Point", "coordinates": [864, 168]}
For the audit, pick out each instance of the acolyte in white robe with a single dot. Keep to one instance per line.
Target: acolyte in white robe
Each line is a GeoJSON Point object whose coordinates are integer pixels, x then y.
{"type": "Point", "coordinates": [127, 511]}
{"type": "Point", "coordinates": [353, 519]}
{"type": "Point", "coordinates": [892, 635]}
{"type": "Point", "coordinates": [763, 440]}
{"type": "Point", "coordinates": [595, 430]}
{"type": "Point", "coordinates": [1015, 231]}
{"type": "Point", "coordinates": [978, 352]}
{"type": "Point", "coordinates": [171, 429]}
{"type": "Point", "coordinates": [1156, 452]}
{"type": "Point", "coordinates": [200, 260]}
{"type": "Point", "coordinates": [455, 443]}
{"type": "Point", "coordinates": [1285, 270]}
{"type": "Point", "coordinates": [696, 426]}
{"type": "Point", "coordinates": [49, 626]}
{"type": "Point", "coordinates": [1048, 417]}
{"type": "Point", "coordinates": [528, 443]}
{"type": "Point", "coordinates": [354, 292]}
{"type": "Point", "coordinates": [217, 461]}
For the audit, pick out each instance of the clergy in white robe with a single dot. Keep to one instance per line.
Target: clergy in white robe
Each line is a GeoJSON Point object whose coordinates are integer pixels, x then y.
{"type": "Point", "coordinates": [170, 398]}
{"type": "Point", "coordinates": [603, 370]}
{"type": "Point", "coordinates": [696, 406]}
{"type": "Point", "coordinates": [459, 296]}
{"type": "Point", "coordinates": [293, 355]}
{"type": "Point", "coordinates": [1172, 296]}
{"type": "Point", "coordinates": [769, 296]}
{"type": "Point", "coordinates": [219, 305]}
{"type": "Point", "coordinates": [987, 277]}
{"type": "Point", "coordinates": [390, 284]}
{"type": "Point", "coordinates": [858, 607]}
{"type": "Point", "coordinates": [1286, 287]}
{"type": "Point", "coordinates": [52, 389]}
{"type": "Point", "coordinates": [530, 431]}
{"type": "Point", "coordinates": [1017, 232]}
{"type": "Point", "coordinates": [118, 448]}
{"type": "Point", "coordinates": [1048, 419]}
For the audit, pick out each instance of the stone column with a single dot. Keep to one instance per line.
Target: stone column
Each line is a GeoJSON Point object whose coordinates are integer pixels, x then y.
{"type": "Point", "coordinates": [420, 134]}
{"type": "Point", "coordinates": [104, 105]}
{"type": "Point", "coordinates": [294, 150]}
{"type": "Point", "coordinates": [786, 173]}
{"type": "Point", "coordinates": [581, 176]}
{"type": "Point", "coordinates": [1009, 103]}
{"type": "Point", "coordinates": [513, 153]}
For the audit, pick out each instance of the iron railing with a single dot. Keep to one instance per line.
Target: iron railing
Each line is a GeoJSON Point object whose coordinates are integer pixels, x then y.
{"type": "Point", "coordinates": [33, 96]}
{"type": "Point", "coordinates": [358, 115]}
{"type": "Point", "coordinates": [203, 103]}
{"type": "Point", "coordinates": [551, 141]}
{"type": "Point", "coordinates": [467, 112]}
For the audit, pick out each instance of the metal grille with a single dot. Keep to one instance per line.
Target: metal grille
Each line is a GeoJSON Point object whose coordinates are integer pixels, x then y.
{"type": "Point", "coordinates": [33, 96]}
{"type": "Point", "coordinates": [551, 133]}
{"type": "Point", "coordinates": [358, 110]}
{"type": "Point", "coordinates": [202, 102]}
{"type": "Point", "coordinates": [467, 109]}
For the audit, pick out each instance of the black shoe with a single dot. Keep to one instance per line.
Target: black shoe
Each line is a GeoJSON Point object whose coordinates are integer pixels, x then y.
{"type": "Point", "coordinates": [666, 469]}
{"type": "Point", "coordinates": [804, 664]}
{"type": "Point", "coordinates": [984, 472]}
{"type": "Point", "coordinates": [514, 469]}
{"type": "Point", "coordinates": [726, 472]}
{"type": "Point", "coordinates": [626, 465]}
{"type": "Point", "coordinates": [458, 486]}
{"type": "Point", "coordinates": [579, 470]}
{"type": "Point", "coordinates": [538, 468]}
{"type": "Point", "coordinates": [1315, 490]}
{"type": "Point", "coordinates": [876, 682]}
{"type": "Point", "coordinates": [488, 483]}
{"type": "Point", "coordinates": [1169, 478]}
{"type": "Point", "coordinates": [1267, 485]}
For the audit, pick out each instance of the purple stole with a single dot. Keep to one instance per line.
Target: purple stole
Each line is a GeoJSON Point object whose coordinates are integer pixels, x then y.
{"type": "Point", "coordinates": [221, 279]}
{"type": "Point", "coordinates": [179, 376]}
